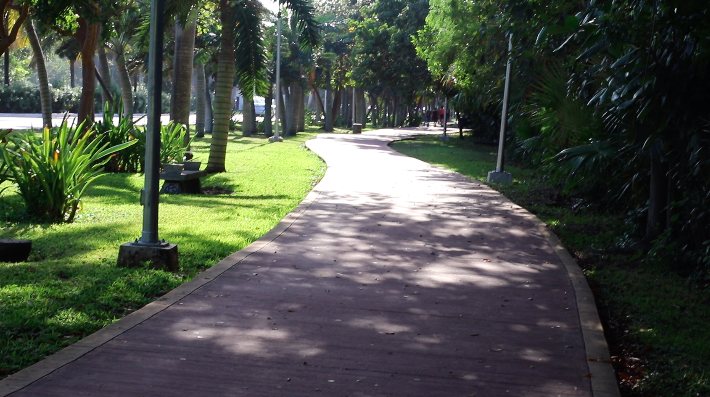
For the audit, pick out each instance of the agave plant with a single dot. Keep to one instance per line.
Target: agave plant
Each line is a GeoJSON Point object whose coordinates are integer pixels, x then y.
{"type": "Point", "coordinates": [172, 143]}
{"type": "Point", "coordinates": [131, 159]}
{"type": "Point", "coordinates": [53, 172]}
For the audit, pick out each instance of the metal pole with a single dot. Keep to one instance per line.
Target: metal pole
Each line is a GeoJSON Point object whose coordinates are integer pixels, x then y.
{"type": "Point", "coordinates": [504, 116]}
{"type": "Point", "coordinates": [277, 97]}
{"type": "Point", "coordinates": [354, 105]}
{"type": "Point", "coordinates": [152, 145]}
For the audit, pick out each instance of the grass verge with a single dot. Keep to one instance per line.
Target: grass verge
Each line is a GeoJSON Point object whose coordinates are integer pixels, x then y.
{"type": "Point", "coordinates": [655, 322]}
{"type": "Point", "coordinates": [71, 287]}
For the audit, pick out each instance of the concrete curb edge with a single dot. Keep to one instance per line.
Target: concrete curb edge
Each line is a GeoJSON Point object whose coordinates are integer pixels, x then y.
{"type": "Point", "coordinates": [46, 366]}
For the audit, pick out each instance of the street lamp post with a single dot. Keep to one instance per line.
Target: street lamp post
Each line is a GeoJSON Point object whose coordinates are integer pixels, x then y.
{"type": "Point", "coordinates": [149, 248]}
{"type": "Point", "coordinates": [499, 175]}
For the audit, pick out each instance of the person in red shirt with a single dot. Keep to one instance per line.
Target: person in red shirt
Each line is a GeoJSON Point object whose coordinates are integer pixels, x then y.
{"type": "Point", "coordinates": [442, 113]}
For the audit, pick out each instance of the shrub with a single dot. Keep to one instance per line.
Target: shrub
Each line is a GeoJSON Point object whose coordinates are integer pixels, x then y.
{"type": "Point", "coordinates": [131, 158]}
{"type": "Point", "coordinates": [53, 172]}
{"type": "Point", "coordinates": [172, 143]}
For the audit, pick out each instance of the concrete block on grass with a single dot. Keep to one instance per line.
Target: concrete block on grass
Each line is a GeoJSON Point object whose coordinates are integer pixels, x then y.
{"type": "Point", "coordinates": [164, 256]}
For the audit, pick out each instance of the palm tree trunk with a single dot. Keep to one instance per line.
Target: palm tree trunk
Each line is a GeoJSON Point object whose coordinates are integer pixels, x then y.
{"type": "Point", "coordinates": [248, 117]}
{"type": "Point", "coordinates": [105, 75]}
{"type": "Point", "coordinates": [300, 109]}
{"type": "Point", "coordinates": [182, 74]}
{"type": "Point", "coordinates": [268, 127]}
{"type": "Point", "coordinates": [89, 37]}
{"type": "Point", "coordinates": [292, 110]}
{"type": "Point", "coordinates": [282, 109]}
{"type": "Point", "coordinates": [223, 91]}
{"type": "Point", "coordinates": [44, 93]}
{"type": "Point", "coordinates": [200, 105]}
{"type": "Point", "coordinates": [126, 89]}
{"type": "Point", "coordinates": [209, 114]}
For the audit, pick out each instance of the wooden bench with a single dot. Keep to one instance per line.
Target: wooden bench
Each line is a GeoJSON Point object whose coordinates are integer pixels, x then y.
{"type": "Point", "coordinates": [184, 182]}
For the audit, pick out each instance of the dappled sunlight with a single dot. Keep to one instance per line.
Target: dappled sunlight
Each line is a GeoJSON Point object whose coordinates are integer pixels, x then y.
{"type": "Point", "coordinates": [399, 279]}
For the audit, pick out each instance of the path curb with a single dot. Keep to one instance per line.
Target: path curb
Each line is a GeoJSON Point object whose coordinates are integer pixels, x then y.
{"type": "Point", "coordinates": [603, 377]}
{"type": "Point", "coordinates": [35, 372]}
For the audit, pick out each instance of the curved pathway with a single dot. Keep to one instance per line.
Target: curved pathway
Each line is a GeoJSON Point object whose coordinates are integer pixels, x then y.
{"type": "Point", "coordinates": [393, 278]}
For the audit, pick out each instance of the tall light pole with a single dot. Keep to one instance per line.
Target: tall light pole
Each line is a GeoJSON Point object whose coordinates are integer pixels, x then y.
{"type": "Point", "coordinates": [499, 175]}
{"type": "Point", "coordinates": [276, 137]}
{"type": "Point", "coordinates": [149, 248]}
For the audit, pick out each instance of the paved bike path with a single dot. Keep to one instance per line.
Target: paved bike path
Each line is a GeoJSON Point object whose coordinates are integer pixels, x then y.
{"type": "Point", "coordinates": [393, 278]}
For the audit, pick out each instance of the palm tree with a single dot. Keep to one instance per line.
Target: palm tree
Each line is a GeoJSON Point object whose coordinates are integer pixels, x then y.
{"type": "Point", "coordinates": [70, 49]}
{"type": "Point", "coordinates": [242, 42]}
{"type": "Point", "coordinates": [44, 92]}
{"type": "Point", "coordinates": [182, 72]}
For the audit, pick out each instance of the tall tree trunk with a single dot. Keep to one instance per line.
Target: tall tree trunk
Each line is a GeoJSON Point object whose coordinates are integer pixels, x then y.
{"type": "Point", "coordinates": [361, 107]}
{"type": "Point", "coordinates": [282, 109]}
{"type": "Point", "coordinates": [182, 74]}
{"type": "Point", "coordinates": [292, 110]}
{"type": "Point", "coordinates": [301, 111]}
{"type": "Point", "coordinates": [223, 90]}
{"type": "Point", "coordinates": [126, 89]}
{"type": "Point", "coordinates": [268, 127]}
{"type": "Point", "coordinates": [72, 71]}
{"type": "Point", "coordinates": [105, 75]}
{"type": "Point", "coordinates": [209, 113]}
{"type": "Point", "coordinates": [200, 105]}
{"type": "Point", "coordinates": [248, 117]}
{"type": "Point", "coordinates": [328, 109]}
{"type": "Point", "coordinates": [335, 108]}
{"type": "Point", "coordinates": [88, 35]}
{"type": "Point", "coordinates": [44, 92]}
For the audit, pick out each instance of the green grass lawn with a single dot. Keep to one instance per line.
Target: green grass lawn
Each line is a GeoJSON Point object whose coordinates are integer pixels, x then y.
{"type": "Point", "coordinates": [655, 322]}
{"type": "Point", "coordinates": [71, 287]}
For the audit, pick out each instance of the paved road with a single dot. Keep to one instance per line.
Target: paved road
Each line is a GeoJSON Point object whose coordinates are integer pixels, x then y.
{"type": "Point", "coordinates": [393, 278]}
{"type": "Point", "coordinates": [25, 121]}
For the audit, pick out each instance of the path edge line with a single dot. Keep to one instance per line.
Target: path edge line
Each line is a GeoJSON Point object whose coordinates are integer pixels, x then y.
{"type": "Point", "coordinates": [49, 364]}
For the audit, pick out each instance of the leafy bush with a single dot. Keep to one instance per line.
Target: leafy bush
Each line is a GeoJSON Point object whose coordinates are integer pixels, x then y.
{"type": "Point", "coordinates": [173, 143]}
{"type": "Point", "coordinates": [131, 158]}
{"type": "Point", "coordinates": [53, 172]}
{"type": "Point", "coordinates": [19, 98]}
{"type": "Point", "coordinates": [65, 99]}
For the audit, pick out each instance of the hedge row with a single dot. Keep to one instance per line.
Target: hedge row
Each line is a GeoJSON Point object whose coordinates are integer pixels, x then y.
{"type": "Point", "coordinates": [24, 98]}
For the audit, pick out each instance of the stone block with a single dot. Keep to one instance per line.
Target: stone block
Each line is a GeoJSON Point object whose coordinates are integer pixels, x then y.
{"type": "Point", "coordinates": [163, 256]}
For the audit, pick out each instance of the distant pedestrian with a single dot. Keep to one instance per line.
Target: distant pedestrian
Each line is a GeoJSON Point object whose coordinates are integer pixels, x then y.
{"type": "Point", "coordinates": [442, 114]}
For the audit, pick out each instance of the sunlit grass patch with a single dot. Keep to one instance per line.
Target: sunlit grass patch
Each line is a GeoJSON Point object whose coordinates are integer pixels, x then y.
{"type": "Point", "coordinates": [71, 287]}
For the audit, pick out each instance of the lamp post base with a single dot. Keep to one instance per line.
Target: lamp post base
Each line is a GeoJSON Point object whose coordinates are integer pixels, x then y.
{"type": "Point", "coordinates": [163, 256]}
{"type": "Point", "coordinates": [275, 139]}
{"type": "Point", "coordinates": [500, 177]}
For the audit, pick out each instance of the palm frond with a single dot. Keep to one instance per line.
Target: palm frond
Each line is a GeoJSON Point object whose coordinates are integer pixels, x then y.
{"type": "Point", "coordinates": [249, 51]}
{"type": "Point", "coordinates": [307, 24]}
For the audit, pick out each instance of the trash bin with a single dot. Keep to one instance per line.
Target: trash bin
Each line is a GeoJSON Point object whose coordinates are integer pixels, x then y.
{"type": "Point", "coordinates": [357, 128]}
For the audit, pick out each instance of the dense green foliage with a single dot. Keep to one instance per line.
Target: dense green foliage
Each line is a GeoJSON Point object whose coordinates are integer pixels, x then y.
{"type": "Point", "coordinates": [53, 172]}
{"type": "Point", "coordinates": [656, 325]}
{"type": "Point", "coordinates": [609, 96]}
